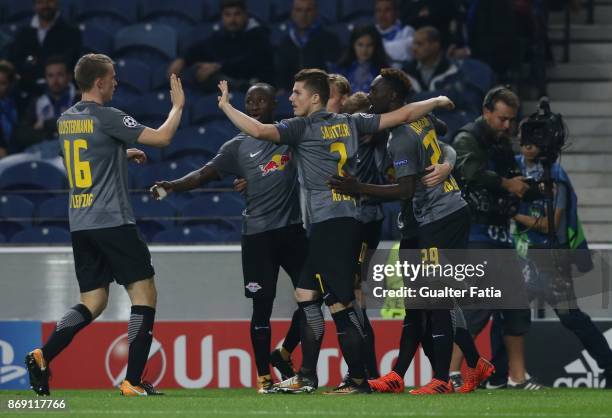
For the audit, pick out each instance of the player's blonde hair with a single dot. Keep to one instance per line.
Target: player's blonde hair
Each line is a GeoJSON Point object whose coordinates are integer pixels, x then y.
{"type": "Point", "coordinates": [89, 68]}
{"type": "Point", "coordinates": [341, 83]}
{"type": "Point", "coordinates": [356, 103]}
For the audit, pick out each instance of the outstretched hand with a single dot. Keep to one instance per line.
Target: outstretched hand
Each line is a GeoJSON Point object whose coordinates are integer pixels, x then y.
{"type": "Point", "coordinates": [224, 98]}
{"type": "Point", "coordinates": [166, 186]}
{"type": "Point", "coordinates": [177, 95]}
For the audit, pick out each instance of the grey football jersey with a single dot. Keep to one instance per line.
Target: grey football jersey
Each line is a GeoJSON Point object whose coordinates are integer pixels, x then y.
{"type": "Point", "coordinates": [370, 160]}
{"type": "Point", "coordinates": [412, 148]}
{"type": "Point", "coordinates": [325, 144]}
{"type": "Point", "coordinates": [272, 193]}
{"type": "Point", "coordinates": [93, 141]}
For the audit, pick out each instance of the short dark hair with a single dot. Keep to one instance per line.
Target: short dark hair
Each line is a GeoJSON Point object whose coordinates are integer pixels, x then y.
{"type": "Point", "coordinates": [316, 81]}
{"type": "Point", "coordinates": [264, 86]}
{"type": "Point", "coordinates": [8, 69]}
{"type": "Point", "coordinates": [56, 59]}
{"type": "Point", "coordinates": [433, 34]}
{"type": "Point", "coordinates": [90, 67]}
{"type": "Point", "coordinates": [394, 3]}
{"type": "Point", "coordinates": [399, 80]}
{"type": "Point", "coordinates": [226, 4]}
{"type": "Point", "coordinates": [500, 94]}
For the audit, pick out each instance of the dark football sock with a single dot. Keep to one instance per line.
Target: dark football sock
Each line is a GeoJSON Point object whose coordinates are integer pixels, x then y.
{"type": "Point", "coordinates": [261, 334]}
{"type": "Point", "coordinates": [140, 337]}
{"type": "Point", "coordinates": [352, 340]}
{"type": "Point", "coordinates": [466, 343]}
{"type": "Point", "coordinates": [292, 339]}
{"type": "Point", "coordinates": [77, 318]}
{"type": "Point", "coordinates": [312, 328]}
{"type": "Point", "coordinates": [442, 337]}
{"type": "Point", "coordinates": [370, 347]}
{"type": "Point", "coordinates": [412, 332]}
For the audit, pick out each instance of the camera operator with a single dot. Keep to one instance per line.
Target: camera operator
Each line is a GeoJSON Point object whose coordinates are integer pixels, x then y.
{"type": "Point", "coordinates": [489, 176]}
{"type": "Point", "coordinates": [550, 278]}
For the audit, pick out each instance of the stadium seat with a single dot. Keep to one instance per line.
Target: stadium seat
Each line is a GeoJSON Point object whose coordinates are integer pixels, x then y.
{"type": "Point", "coordinates": [15, 208]}
{"type": "Point", "coordinates": [146, 208]}
{"type": "Point", "coordinates": [213, 206]}
{"type": "Point", "coordinates": [188, 11]}
{"type": "Point", "coordinates": [19, 12]}
{"type": "Point", "coordinates": [123, 98]}
{"type": "Point", "coordinates": [277, 32]}
{"type": "Point", "coordinates": [42, 235]}
{"type": "Point", "coordinates": [284, 110]}
{"type": "Point", "coordinates": [211, 10]}
{"type": "Point", "coordinates": [260, 9]}
{"type": "Point", "coordinates": [154, 154]}
{"type": "Point", "coordinates": [206, 108]}
{"type": "Point", "coordinates": [342, 32]}
{"type": "Point", "coordinates": [152, 106]}
{"type": "Point", "coordinates": [478, 74]}
{"type": "Point", "coordinates": [10, 228]}
{"type": "Point", "coordinates": [44, 150]}
{"type": "Point", "coordinates": [191, 141]}
{"type": "Point", "coordinates": [133, 74]}
{"type": "Point", "coordinates": [195, 34]}
{"type": "Point", "coordinates": [53, 212]}
{"type": "Point", "coordinates": [2, 239]}
{"type": "Point", "coordinates": [184, 234]}
{"type": "Point", "coordinates": [454, 120]}
{"type": "Point", "coordinates": [110, 14]}
{"type": "Point", "coordinates": [147, 175]}
{"type": "Point", "coordinates": [96, 39]}
{"type": "Point", "coordinates": [33, 175]}
{"type": "Point", "coordinates": [351, 9]}
{"type": "Point", "coordinates": [155, 42]}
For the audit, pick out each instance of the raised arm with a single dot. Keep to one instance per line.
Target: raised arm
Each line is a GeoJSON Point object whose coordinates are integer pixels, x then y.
{"type": "Point", "coordinates": [245, 123]}
{"type": "Point", "coordinates": [414, 111]}
{"type": "Point", "coordinates": [162, 136]}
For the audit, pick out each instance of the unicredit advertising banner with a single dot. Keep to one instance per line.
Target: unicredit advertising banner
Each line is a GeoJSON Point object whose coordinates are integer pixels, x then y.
{"type": "Point", "coordinates": [207, 354]}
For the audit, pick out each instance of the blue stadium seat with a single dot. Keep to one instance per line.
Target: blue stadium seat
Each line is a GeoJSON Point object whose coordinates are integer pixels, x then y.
{"type": "Point", "coordinates": [454, 120]}
{"type": "Point", "coordinates": [328, 11]}
{"type": "Point", "coordinates": [351, 9]}
{"type": "Point", "coordinates": [44, 150]}
{"type": "Point", "coordinates": [96, 38]}
{"type": "Point", "coordinates": [206, 108]}
{"type": "Point", "coordinates": [10, 228]}
{"type": "Point", "coordinates": [188, 11]}
{"type": "Point", "coordinates": [213, 205]}
{"type": "Point", "coordinates": [211, 10]}
{"type": "Point", "coordinates": [133, 74]}
{"type": "Point", "coordinates": [110, 14]}
{"type": "Point", "coordinates": [146, 208]}
{"type": "Point", "coordinates": [15, 208]}
{"type": "Point", "coordinates": [195, 34]}
{"type": "Point", "coordinates": [165, 170]}
{"type": "Point", "coordinates": [154, 42]}
{"type": "Point", "coordinates": [191, 141]}
{"type": "Point", "coordinates": [342, 32]}
{"type": "Point", "coordinates": [260, 9]}
{"type": "Point", "coordinates": [33, 175]}
{"type": "Point", "coordinates": [183, 234]}
{"type": "Point", "coordinates": [284, 110]}
{"type": "Point", "coordinates": [152, 106]}
{"type": "Point", "coordinates": [280, 10]}
{"type": "Point", "coordinates": [123, 98]}
{"type": "Point", "coordinates": [478, 74]}
{"type": "Point", "coordinates": [53, 211]}
{"type": "Point", "coordinates": [154, 154]}
{"type": "Point", "coordinates": [277, 32]}
{"type": "Point", "coordinates": [219, 132]}
{"type": "Point", "coordinates": [42, 235]}
{"type": "Point", "coordinates": [19, 12]}
{"type": "Point", "coordinates": [2, 239]}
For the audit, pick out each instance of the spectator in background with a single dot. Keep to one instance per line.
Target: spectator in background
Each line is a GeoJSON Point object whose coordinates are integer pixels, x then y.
{"type": "Point", "coordinates": [437, 13]}
{"type": "Point", "coordinates": [47, 35]}
{"type": "Point", "coordinates": [8, 110]}
{"type": "Point", "coordinates": [306, 45]}
{"type": "Point", "coordinates": [240, 52]}
{"type": "Point", "coordinates": [431, 70]}
{"type": "Point", "coordinates": [397, 38]}
{"type": "Point", "coordinates": [363, 59]}
{"type": "Point", "coordinates": [40, 120]}
{"type": "Point", "coordinates": [492, 34]}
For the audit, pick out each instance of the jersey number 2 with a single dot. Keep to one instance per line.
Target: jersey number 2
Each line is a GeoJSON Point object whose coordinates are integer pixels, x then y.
{"type": "Point", "coordinates": [82, 170]}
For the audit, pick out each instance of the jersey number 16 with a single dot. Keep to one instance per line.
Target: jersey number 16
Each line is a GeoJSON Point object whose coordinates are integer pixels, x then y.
{"type": "Point", "coordinates": [82, 171]}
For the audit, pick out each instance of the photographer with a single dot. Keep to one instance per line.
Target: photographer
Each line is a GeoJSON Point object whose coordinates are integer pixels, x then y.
{"type": "Point", "coordinates": [551, 278]}
{"type": "Point", "coordinates": [490, 177]}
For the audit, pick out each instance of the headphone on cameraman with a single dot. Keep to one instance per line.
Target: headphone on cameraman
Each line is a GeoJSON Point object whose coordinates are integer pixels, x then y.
{"type": "Point", "coordinates": [491, 96]}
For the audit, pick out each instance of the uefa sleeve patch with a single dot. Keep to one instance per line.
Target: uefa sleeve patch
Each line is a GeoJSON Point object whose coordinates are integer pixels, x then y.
{"type": "Point", "coordinates": [129, 122]}
{"type": "Point", "coordinates": [400, 163]}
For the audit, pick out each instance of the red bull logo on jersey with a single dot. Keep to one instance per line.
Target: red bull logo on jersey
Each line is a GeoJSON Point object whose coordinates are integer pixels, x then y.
{"type": "Point", "coordinates": [277, 163]}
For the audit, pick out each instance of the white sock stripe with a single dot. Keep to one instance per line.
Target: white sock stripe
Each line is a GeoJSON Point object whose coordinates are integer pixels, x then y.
{"type": "Point", "coordinates": [134, 326]}
{"type": "Point", "coordinates": [70, 319]}
{"type": "Point", "coordinates": [314, 318]}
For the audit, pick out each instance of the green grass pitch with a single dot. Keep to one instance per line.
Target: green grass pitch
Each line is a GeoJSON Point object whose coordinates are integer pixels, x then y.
{"type": "Point", "coordinates": [242, 403]}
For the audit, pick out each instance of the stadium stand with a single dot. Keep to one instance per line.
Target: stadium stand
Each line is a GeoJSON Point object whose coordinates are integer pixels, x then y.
{"type": "Point", "coordinates": [42, 235]}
